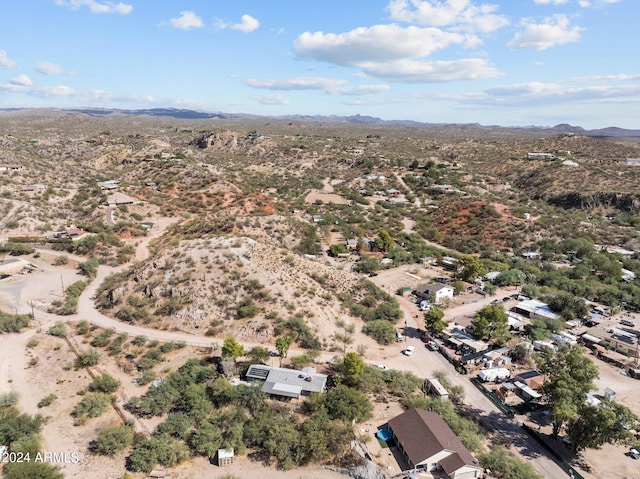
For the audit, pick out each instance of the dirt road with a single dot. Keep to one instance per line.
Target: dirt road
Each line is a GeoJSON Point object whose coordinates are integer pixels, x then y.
{"type": "Point", "coordinates": [423, 363]}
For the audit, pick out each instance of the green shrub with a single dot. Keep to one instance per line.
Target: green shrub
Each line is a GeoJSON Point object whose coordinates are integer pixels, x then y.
{"type": "Point", "coordinates": [92, 405]}
{"type": "Point", "coordinates": [90, 357]}
{"type": "Point", "coordinates": [47, 400]}
{"type": "Point", "coordinates": [104, 383]}
{"type": "Point", "coordinates": [113, 439]}
{"type": "Point", "coordinates": [59, 330]}
{"type": "Point", "coordinates": [13, 323]}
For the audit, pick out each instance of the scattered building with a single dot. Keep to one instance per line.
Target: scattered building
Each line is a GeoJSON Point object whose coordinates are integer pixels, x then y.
{"type": "Point", "coordinates": [119, 199]}
{"type": "Point", "coordinates": [531, 378]}
{"type": "Point", "coordinates": [225, 457]}
{"type": "Point", "coordinates": [14, 265]}
{"type": "Point", "coordinates": [36, 187]}
{"type": "Point", "coordinates": [109, 185]}
{"type": "Point", "coordinates": [619, 250]}
{"type": "Point", "coordinates": [540, 156]}
{"type": "Point", "coordinates": [434, 292]}
{"type": "Point", "coordinates": [287, 383]}
{"type": "Point", "coordinates": [435, 388]}
{"type": "Point", "coordinates": [494, 375]}
{"type": "Point", "coordinates": [534, 309]}
{"type": "Point", "coordinates": [449, 263]}
{"type": "Point", "coordinates": [426, 441]}
{"type": "Point", "coordinates": [11, 168]}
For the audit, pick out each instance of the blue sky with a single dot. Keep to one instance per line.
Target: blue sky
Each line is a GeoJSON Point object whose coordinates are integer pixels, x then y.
{"type": "Point", "coordinates": [495, 62]}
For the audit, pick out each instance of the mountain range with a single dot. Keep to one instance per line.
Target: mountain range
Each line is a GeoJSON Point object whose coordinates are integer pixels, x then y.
{"type": "Point", "coordinates": [186, 114]}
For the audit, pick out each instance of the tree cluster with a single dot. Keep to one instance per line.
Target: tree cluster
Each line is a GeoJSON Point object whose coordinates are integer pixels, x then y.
{"type": "Point", "coordinates": [569, 377]}
{"type": "Point", "coordinates": [207, 413]}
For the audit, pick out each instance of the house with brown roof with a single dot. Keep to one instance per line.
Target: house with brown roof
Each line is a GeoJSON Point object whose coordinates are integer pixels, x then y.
{"type": "Point", "coordinates": [427, 442]}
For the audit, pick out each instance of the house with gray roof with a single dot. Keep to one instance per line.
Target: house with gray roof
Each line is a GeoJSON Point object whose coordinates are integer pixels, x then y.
{"type": "Point", "coordinates": [435, 292]}
{"type": "Point", "coordinates": [287, 383]}
{"type": "Point", "coordinates": [426, 441]}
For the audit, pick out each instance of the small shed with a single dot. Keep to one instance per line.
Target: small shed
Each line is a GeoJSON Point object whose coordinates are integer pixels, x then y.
{"type": "Point", "coordinates": [225, 457]}
{"type": "Point", "coordinates": [405, 291]}
{"type": "Point", "coordinates": [610, 394]}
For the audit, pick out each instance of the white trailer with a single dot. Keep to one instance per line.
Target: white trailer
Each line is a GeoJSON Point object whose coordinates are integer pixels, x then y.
{"type": "Point", "coordinates": [494, 375]}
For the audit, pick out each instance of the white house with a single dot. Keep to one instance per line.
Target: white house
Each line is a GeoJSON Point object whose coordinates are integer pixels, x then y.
{"type": "Point", "coordinates": [435, 292]}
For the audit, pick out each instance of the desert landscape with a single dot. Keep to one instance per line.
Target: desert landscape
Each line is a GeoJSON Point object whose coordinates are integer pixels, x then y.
{"type": "Point", "coordinates": [150, 260]}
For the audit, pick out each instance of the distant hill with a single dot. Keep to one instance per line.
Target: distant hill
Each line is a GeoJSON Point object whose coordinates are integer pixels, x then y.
{"type": "Point", "coordinates": [185, 114]}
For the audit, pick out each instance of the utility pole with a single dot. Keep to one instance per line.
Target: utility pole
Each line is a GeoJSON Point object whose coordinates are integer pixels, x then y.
{"type": "Point", "coordinates": [62, 283]}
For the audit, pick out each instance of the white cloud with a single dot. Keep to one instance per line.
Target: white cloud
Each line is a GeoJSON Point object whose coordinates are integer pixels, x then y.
{"type": "Point", "coordinates": [539, 93]}
{"type": "Point", "coordinates": [599, 78]}
{"type": "Point", "coordinates": [5, 61]}
{"type": "Point", "coordinates": [395, 53]}
{"type": "Point", "coordinates": [48, 68]}
{"type": "Point", "coordinates": [247, 24]}
{"type": "Point", "coordinates": [582, 3]}
{"type": "Point", "coordinates": [276, 99]}
{"type": "Point", "coordinates": [41, 92]}
{"type": "Point", "coordinates": [596, 3]}
{"type": "Point", "coordinates": [186, 21]}
{"type": "Point", "coordinates": [554, 31]}
{"type": "Point", "coordinates": [299, 83]}
{"type": "Point", "coordinates": [378, 43]}
{"type": "Point", "coordinates": [23, 80]}
{"type": "Point", "coordinates": [458, 14]}
{"type": "Point", "coordinates": [97, 7]}
{"type": "Point", "coordinates": [412, 71]}
{"type": "Point", "coordinates": [331, 86]}
{"type": "Point", "coordinates": [360, 90]}
{"type": "Point", "coordinates": [558, 93]}
{"type": "Point", "coordinates": [63, 91]}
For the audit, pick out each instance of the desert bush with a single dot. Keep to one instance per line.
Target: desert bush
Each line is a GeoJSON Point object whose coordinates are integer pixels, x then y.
{"type": "Point", "coordinates": [47, 400]}
{"type": "Point", "coordinates": [113, 439]}
{"type": "Point", "coordinates": [92, 405]}
{"type": "Point", "coordinates": [104, 383]}
{"type": "Point", "coordinates": [59, 330]}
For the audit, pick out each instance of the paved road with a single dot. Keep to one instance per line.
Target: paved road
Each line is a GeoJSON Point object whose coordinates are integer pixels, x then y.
{"type": "Point", "coordinates": [424, 362]}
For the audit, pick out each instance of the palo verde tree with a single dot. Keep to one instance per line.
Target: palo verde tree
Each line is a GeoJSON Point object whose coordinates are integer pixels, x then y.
{"type": "Point", "coordinates": [433, 321]}
{"type": "Point", "coordinates": [569, 376]}
{"type": "Point", "coordinates": [232, 349]}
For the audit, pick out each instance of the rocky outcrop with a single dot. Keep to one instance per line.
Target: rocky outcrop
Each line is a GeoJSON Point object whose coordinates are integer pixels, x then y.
{"type": "Point", "coordinates": [217, 139]}
{"type": "Point", "coordinates": [368, 470]}
{"type": "Point", "coordinates": [588, 201]}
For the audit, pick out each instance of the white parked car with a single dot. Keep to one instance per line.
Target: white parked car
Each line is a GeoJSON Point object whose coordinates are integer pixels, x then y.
{"type": "Point", "coordinates": [408, 351]}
